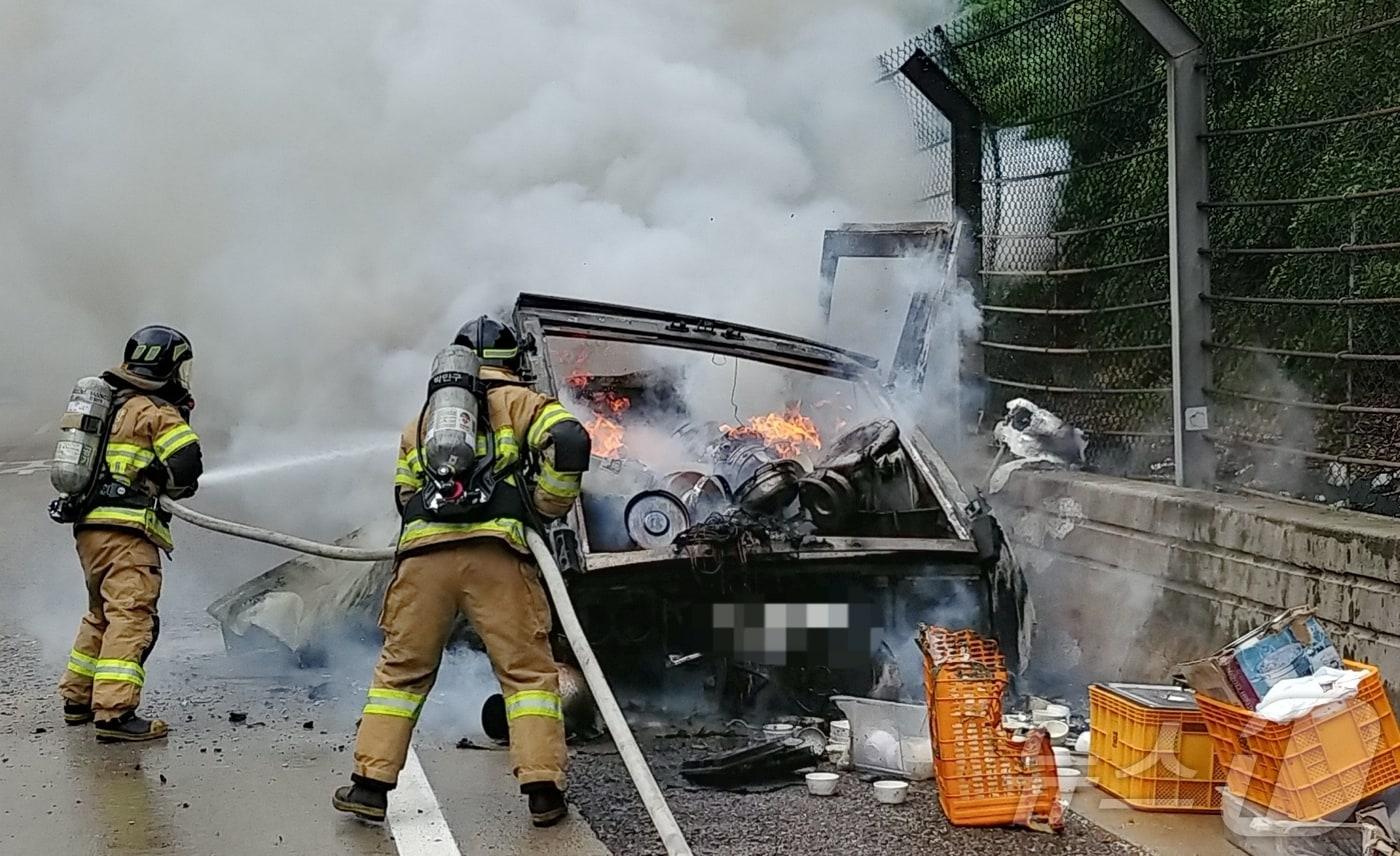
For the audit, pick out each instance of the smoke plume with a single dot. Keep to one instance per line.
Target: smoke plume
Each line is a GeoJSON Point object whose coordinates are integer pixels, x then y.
{"type": "Point", "coordinates": [319, 193]}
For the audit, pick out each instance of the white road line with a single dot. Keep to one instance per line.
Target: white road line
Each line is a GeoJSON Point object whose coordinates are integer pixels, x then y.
{"type": "Point", "coordinates": [415, 818]}
{"type": "Point", "coordinates": [22, 468]}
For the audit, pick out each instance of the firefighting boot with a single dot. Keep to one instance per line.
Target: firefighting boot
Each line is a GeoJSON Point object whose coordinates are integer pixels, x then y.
{"type": "Point", "coordinates": [364, 797]}
{"type": "Point", "coordinates": [75, 713]}
{"type": "Point", "coordinates": [130, 728]}
{"type": "Point", "coordinates": [547, 806]}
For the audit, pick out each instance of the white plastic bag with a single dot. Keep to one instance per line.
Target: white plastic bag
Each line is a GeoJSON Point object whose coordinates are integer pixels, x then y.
{"type": "Point", "coordinates": [1294, 698]}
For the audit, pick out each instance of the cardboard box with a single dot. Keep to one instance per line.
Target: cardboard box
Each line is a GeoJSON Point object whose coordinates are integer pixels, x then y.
{"type": "Point", "coordinates": [1294, 644]}
{"type": "Point", "coordinates": [1207, 677]}
{"type": "Point", "coordinates": [1293, 651]}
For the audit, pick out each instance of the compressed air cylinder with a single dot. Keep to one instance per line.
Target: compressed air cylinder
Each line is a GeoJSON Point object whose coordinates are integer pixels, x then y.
{"type": "Point", "coordinates": [75, 458]}
{"type": "Point", "coordinates": [449, 441]}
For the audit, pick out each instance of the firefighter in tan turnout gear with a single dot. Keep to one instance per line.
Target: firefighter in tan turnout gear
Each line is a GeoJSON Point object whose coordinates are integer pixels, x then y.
{"type": "Point", "coordinates": [462, 549]}
{"type": "Point", "coordinates": [126, 441]}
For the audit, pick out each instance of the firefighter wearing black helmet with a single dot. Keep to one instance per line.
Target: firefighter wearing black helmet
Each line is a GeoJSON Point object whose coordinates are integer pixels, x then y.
{"type": "Point", "coordinates": [150, 450]}
{"type": "Point", "coordinates": [476, 563]}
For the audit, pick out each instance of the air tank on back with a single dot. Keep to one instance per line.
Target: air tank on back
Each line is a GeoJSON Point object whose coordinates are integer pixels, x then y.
{"type": "Point", "coordinates": [449, 441]}
{"type": "Point", "coordinates": [76, 457]}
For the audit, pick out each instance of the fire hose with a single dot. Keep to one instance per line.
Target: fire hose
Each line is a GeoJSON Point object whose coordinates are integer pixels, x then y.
{"type": "Point", "coordinates": [277, 539]}
{"type": "Point", "coordinates": [652, 798]}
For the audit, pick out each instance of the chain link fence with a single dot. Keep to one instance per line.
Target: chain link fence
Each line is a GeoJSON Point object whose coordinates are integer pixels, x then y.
{"type": "Point", "coordinates": [1304, 147]}
{"type": "Point", "coordinates": [1304, 154]}
{"type": "Point", "coordinates": [1074, 267]}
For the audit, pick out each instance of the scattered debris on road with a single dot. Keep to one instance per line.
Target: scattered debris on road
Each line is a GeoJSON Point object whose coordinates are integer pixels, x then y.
{"type": "Point", "coordinates": [768, 763]}
{"type": "Point", "coordinates": [790, 820]}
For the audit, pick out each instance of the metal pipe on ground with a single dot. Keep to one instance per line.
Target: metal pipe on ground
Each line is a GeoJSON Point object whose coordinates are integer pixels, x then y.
{"type": "Point", "coordinates": [652, 798]}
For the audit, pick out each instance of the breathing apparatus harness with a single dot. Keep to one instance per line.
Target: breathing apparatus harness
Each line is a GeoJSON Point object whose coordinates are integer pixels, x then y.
{"type": "Point", "coordinates": [450, 494]}
{"type": "Point", "coordinates": [71, 507]}
{"type": "Point", "coordinates": [460, 480]}
{"type": "Point", "coordinates": [81, 426]}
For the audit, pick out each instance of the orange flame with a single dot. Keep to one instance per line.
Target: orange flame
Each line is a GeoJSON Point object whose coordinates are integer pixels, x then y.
{"type": "Point", "coordinates": [788, 433]}
{"type": "Point", "coordinates": [607, 436]}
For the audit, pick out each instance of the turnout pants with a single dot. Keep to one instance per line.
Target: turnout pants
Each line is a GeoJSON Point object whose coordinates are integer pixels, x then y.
{"type": "Point", "coordinates": [106, 666]}
{"type": "Point", "coordinates": [501, 595]}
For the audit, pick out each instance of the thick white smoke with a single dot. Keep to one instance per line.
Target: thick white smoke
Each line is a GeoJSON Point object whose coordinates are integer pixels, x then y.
{"type": "Point", "coordinates": [318, 193]}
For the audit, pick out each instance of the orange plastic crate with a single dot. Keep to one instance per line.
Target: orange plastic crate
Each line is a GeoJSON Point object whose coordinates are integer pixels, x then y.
{"type": "Point", "coordinates": [1312, 767]}
{"type": "Point", "coordinates": [941, 645]}
{"type": "Point", "coordinates": [1152, 758]}
{"type": "Point", "coordinates": [984, 777]}
{"type": "Point", "coordinates": [966, 710]}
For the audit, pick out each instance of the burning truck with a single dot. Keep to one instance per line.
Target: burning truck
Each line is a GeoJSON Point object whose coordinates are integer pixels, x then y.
{"type": "Point", "coordinates": [761, 528]}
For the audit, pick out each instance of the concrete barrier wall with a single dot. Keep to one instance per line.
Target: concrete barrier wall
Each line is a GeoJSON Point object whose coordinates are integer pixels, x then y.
{"type": "Point", "coordinates": [1130, 578]}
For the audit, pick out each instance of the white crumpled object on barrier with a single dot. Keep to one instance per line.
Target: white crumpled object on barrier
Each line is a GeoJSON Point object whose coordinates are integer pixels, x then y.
{"type": "Point", "coordinates": [1294, 698]}
{"type": "Point", "coordinates": [1034, 435]}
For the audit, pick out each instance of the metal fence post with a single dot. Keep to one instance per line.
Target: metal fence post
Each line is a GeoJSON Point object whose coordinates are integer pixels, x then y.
{"type": "Point", "coordinates": [965, 119]}
{"type": "Point", "coordinates": [1187, 189]}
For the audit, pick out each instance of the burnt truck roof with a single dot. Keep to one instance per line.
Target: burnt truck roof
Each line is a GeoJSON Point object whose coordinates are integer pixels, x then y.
{"type": "Point", "coordinates": [545, 317]}
{"type": "Point", "coordinates": [567, 317]}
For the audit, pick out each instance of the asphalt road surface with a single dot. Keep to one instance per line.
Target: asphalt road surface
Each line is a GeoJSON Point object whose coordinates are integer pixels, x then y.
{"type": "Point", "coordinates": [259, 786]}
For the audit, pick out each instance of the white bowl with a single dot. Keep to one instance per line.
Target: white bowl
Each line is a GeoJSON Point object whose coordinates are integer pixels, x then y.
{"type": "Point", "coordinates": [1055, 711]}
{"type": "Point", "coordinates": [778, 729]}
{"type": "Point", "coordinates": [1058, 729]}
{"type": "Point", "coordinates": [1063, 757]}
{"type": "Point", "coordinates": [1012, 722]}
{"type": "Point", "coordinates": [1082, 744]}
{"type": "Point", "coordinates": [891, 792]}
{"type": "Point", "coordinates": [822, 784]}
{"type": "Point", "coordinates": [1070, 779]}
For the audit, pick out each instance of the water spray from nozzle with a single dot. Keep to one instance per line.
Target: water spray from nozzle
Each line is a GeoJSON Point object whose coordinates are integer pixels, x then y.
{"type": "Point", "coordinates": [219, 475]}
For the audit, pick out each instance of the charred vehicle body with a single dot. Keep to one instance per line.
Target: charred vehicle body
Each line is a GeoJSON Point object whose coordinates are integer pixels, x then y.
{"type": "Point", "coordinates": [760, 526]}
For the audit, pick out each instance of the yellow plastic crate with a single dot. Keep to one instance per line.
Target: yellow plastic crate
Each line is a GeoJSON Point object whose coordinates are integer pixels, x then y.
{"type": "Point", "coordinates": [1150, 747]}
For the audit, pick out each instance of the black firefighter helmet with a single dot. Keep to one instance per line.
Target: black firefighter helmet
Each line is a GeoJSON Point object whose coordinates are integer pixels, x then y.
{"type": "Point", "coordinates": [495, 343]}
{"type": "Point", "coordinates": [158, 353]}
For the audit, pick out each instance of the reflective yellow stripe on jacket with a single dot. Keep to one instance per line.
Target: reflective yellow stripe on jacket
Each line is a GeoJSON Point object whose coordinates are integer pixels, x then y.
{"type": "Point", "coordinates": [125, 460]}
{"type": "Point", "coordinates": [562, 485]}
{"type": "Point", "coordinates": [550, 415]}
{"type": "Point", "coordinates": [143, 517]}
{"type": "Point", "coordinates": [410, 471]}
{"type": "Point", "coordinates": [174, 440]}
{"type": "Point", "coordinates": [417, 530]}
{"type": "Point", "coordinates": [507, 447]}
